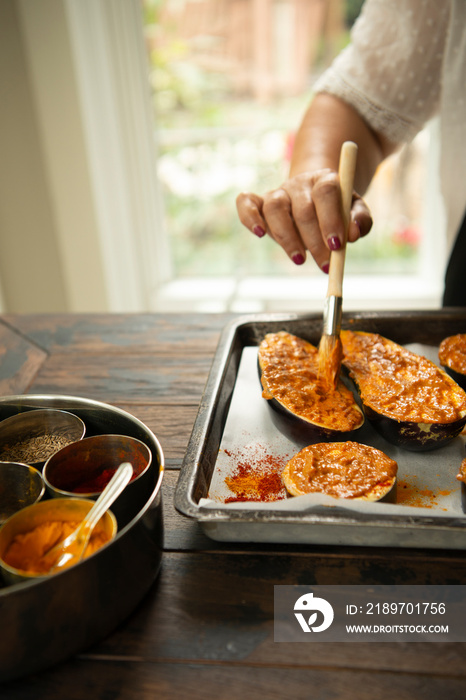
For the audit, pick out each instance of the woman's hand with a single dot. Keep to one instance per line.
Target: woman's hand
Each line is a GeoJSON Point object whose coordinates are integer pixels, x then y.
{"type": "Point", "coordinates": [305, 214]}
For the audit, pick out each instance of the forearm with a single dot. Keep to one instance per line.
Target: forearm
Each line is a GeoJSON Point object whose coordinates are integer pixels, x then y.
{"type": "Point", "coordinates": [304, 213]}
{"type": "Point", "coordinates": [327, 123]}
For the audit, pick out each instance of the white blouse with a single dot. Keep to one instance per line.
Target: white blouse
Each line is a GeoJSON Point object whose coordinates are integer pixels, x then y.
{"type": "Point", "coordinates": [406, 64]}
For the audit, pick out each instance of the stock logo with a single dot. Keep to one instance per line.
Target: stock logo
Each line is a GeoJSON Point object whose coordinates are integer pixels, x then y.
{"type": "Point", "coordinates": [307, 603]}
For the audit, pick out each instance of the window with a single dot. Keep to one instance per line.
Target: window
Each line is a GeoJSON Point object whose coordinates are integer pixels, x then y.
{"type": "Point", "coordinates": [230, 81]}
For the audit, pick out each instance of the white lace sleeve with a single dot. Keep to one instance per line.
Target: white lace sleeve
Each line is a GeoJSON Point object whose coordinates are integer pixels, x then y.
{"type": "Point", "coordinates": [391, 71]}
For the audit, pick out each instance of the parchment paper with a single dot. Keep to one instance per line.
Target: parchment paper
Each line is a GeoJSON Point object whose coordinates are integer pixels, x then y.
{"type": "Point", "coordinates": [427, 483]}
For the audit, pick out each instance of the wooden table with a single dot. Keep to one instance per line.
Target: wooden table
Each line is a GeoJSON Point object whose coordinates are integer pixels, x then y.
{"type": "Point", "coordinates": [205, 630]}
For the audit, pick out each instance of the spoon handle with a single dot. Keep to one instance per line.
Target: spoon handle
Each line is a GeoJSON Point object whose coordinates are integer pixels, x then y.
{"type": "Point", "coordinates": [74, 545]}
{"type": "Point", "coordinates": [110, 493]}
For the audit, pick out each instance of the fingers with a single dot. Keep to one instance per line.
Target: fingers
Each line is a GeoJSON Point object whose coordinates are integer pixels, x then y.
{"type": "Point", "coordinates": [249, 207]}
{"type": "Point", "coordinates": [272, 215]}
{"type": "Point", "coordinates": [281, 224]}
{"type": "Point", "coordinates": [361, 219]}
{"type": "Point", "coordinates": [329, 228]}
{"type": "Point", "coordinates": [327, 201]}
{"type": "Point", "coordinates": [306, 228]}
{"type": "Point", "coordinates": [305, 214]}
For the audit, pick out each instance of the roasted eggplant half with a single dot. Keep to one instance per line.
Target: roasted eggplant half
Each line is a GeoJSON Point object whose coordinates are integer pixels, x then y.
{"type": "Point", "coordinates": [408, 399]}
{"type": "Point", "coordinates": [461, 476]}
{"type": "Point", "coordinates": [302, 405]}
{"type": "Point", "coordinates": [452, 357]}
{"type": "Point", "coordinates": [342, 470]}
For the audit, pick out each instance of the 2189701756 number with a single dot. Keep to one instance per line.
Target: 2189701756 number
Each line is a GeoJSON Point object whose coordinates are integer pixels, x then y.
{"type": "Point", "coordinates": [395, 608]}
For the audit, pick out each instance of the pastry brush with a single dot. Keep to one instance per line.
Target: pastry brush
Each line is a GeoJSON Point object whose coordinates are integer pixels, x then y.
{"type": "Point", "coordinates": [330, 349]}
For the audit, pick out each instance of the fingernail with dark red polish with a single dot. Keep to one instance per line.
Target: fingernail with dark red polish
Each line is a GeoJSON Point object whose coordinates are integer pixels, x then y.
{"type": "Point", "coordinates": [259, 231]}
{"type": "Point", "coordinates": [334, 243]}
{"type": "Point", "coordinates": [325, 268]}
{"type": "Point", "coordinates": [298, 259]}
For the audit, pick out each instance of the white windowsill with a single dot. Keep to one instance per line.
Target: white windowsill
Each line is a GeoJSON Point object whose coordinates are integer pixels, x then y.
{"type": "Point", "coordinates": [271, 294]}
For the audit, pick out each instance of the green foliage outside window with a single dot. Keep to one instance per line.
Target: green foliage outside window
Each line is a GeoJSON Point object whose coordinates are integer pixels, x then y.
{"type": "Point", "coordinates": [213, 143]}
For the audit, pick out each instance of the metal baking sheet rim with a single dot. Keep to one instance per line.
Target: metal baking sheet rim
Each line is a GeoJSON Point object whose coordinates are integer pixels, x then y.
{"type": "Point", "coordinates": [268, 526]}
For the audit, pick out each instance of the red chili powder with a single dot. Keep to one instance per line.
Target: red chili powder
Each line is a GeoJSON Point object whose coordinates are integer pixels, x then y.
{"type": "Point", "coordinates": [256, 477]}
{"type": "Point", "coordinates": [98, 483]}
{"type": "Point", "coordinates": [409, 494]}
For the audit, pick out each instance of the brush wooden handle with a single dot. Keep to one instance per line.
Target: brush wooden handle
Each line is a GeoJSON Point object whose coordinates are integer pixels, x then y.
{"type": "Point", "coordinates": [346, 171]}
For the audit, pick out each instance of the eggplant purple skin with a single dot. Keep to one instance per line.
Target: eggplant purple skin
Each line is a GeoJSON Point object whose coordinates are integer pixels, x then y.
{"type": "Point", "coordinates": [301, 431]}
{"type": "Point", "coordinates": [463, 496]}
{"type": "Point", "coordinates": [456, 376]}
{"type": "Point", "coordinates": [409, 435]}
{"type": "Point", "coordinates": [415, 437]}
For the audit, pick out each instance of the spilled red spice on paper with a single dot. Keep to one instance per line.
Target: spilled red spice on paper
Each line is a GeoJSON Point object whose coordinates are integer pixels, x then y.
{"type": "Point", "coordinates": [256, 476]}
{"type": "Point", "coordinates": [408, 494]}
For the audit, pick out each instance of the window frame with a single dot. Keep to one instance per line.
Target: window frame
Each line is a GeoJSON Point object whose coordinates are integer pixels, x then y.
{"type": "Point", "coordinates": [107, 41]}
{"type": "Point", "coordinates": [108, 45]}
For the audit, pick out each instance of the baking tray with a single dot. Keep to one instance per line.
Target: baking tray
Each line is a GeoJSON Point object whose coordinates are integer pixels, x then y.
{"type": "Point", "coordinates": [46, 620]}
{"type": "Point", "coordinates": [320, 520]}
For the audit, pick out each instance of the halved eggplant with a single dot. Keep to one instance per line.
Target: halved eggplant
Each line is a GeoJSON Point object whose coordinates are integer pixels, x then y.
{"type": "Point", "coordinates": [408, 399]}
{"type": "Point", "coordinates": [342, 470]}
{"type": "Point", "coordinates": [452, 357]}
{"type": "Point", "coordinates": [302, 405]}
{"type": "Point", "coordinates": [461, 476]}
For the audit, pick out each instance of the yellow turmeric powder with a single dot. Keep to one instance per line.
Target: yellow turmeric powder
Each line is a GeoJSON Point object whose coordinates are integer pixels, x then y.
{"type": "Point", "coordinates": [27, 551]}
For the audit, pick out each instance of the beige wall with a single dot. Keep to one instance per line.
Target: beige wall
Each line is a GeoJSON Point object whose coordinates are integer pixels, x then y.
{"type": "Point", "coordinates": [49, 253]}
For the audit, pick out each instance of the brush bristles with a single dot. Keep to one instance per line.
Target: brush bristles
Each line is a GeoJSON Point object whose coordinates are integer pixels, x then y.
{"type": "Point", "coordinates": [330, 353]}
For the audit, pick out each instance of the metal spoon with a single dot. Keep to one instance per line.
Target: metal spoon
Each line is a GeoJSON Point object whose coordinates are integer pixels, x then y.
{"type": "Point", "coordinates": [74, 546]}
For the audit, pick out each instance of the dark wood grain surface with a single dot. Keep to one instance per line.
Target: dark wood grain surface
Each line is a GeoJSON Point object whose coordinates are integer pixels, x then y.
{"type": "Point", "coordinates": [205, 629]}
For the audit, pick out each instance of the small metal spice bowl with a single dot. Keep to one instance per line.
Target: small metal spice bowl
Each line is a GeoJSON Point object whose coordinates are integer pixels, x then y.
{"type": "Point", "coordinates": [20, 485]}
{"type": "Point", "coordinates": [33, 436]}
{"type": "Point", "coordinates": [83, 469]}
{"type": "Point", "coordinates": [23, 523]}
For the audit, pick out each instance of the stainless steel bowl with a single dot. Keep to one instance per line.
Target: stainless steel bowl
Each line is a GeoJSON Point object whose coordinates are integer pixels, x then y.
{"type": "Point", "coordinates": [26, 520]}
{"type": "Point", "coordinates": [80, 598]}
{"type": "Point", "coordinates": [33, 436]}
{"type": "Point", "coordinates": [20, 485]}
{"type": "Point", "coordinates": [95, 459]}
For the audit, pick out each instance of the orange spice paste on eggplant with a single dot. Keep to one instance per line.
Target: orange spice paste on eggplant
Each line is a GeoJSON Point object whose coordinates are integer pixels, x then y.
{"type": "Point", "coordinates": [400, 384]}
{"type": "Point", "coordinates": [452, 353]}
{"type": "Point", "coordinates": [289, 374]}
{"type": "Point", "coordinates": [28, 551]}
{"type": "Point", "coordinates": [340, 469]}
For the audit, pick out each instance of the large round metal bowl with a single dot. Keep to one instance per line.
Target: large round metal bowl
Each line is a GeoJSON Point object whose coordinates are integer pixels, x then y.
{"type": "Point", "coordinates": [49, 619]}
